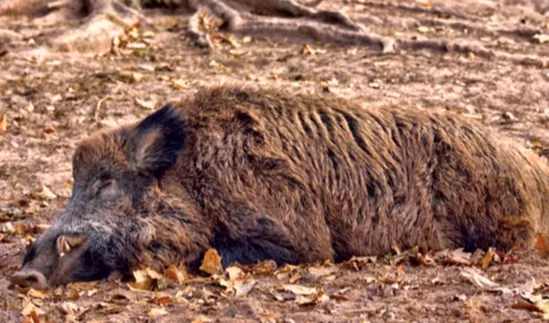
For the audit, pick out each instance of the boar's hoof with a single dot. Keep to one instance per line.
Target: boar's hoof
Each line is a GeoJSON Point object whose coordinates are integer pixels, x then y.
{"type": "Point", "coordinates": [29, 278]}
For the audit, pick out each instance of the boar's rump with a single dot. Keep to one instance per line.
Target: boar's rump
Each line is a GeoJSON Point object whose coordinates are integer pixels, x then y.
{"type": "Point", "coordinates": [264, 174]}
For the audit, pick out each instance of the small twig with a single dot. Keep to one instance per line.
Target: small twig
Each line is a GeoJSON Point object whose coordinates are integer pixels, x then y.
{"type": "Point", "coordinates": [59, 4]}
{"type": "Point", "coordinates": [98, 108]}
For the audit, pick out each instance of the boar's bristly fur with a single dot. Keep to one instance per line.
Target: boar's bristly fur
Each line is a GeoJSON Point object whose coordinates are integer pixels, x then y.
{"type": "Point", "coordinates": [263, 174]}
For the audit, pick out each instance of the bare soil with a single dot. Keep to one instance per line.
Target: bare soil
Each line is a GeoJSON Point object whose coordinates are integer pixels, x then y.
{"type": "Point", "coordinates": [51, 100]}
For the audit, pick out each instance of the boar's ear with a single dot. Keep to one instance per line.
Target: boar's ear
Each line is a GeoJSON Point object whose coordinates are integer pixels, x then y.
{"type": "Point", "coordinates": [157, 141]}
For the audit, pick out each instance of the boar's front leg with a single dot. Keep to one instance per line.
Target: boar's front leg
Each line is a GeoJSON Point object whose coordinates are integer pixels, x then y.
{"type": "Point", "coordinates": [250, 238]}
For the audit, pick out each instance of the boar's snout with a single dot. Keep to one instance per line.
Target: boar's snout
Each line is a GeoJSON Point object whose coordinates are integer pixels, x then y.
{"type": "Point", "coordinates": [29, 278]}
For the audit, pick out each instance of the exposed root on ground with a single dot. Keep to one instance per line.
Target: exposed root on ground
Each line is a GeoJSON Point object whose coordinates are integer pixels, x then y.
{"type": "Point", "coordinates": [101, 20]}
{"type": "Point", "coordinates": [294, 21]}
{"type": "Point", "coordinates": [104, 19]}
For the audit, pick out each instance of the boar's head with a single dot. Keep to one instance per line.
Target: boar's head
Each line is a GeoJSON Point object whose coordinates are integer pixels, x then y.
{"type": "Point", "coordinates": [115, 177]}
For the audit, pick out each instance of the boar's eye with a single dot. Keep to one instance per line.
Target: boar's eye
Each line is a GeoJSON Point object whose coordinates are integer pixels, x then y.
{"type": "Point", "coordinates": [66, 244]}
{"type": "Point", "coordinates": [103, 186]}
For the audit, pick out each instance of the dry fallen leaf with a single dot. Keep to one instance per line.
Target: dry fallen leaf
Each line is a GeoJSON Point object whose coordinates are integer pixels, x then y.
{"type": "Point", "coordinates": [227, 39]}
{"type": "Point", "coordinates": [534, 304]}
{"type": "Point", "coordinates": [234, 273]}
{"type": "Point", "coordinates": [175, 273]}
{"type": "Point", "coordinates": [457, 257]}
{"type": "Point", "coordinates": [3, 124]}
{"type": "Point", "coordinates": [318, 297]}
{"type": "Point", "coordinates": [31, 312]}
{"type": "Point", "coordinates": [299, 289]}
{"type": "Point", "coordinates": [163, 299]}
{"type": "Point", "coordinates": [180, 84]}
{"type": "Point", "coordinates": [212, 263]}
{"type": "Point", "coordinates": [477, 279]}
{"type": "Point", "coordinates": [7, 227]}
{"type": "Point", "coordinates": [358, 263]}
{"type": "Point", "coordinates": [145, 279]}
{"type": "Point", "coordinates": [487, 259]}
{"type": "Point", "coordinates": [319, 272]}
{"type": "Point", "coordinates": [243, 287]}
{"type": "Point", "coordinates": [528, 288]}
{"type": "Point", "coordinates": [145, 104]}
{"type": "Point", "coordinates": [36, 293]}
{"type": "Point", "coordinates": [147, 67]}
{"type": "Point", "coordinates": [264, 267]}
{"type": "Point", "coordinates": [137, 77]}
{"type": "Point", "coordinates": [44, 194]}
{"type": "Point", "coordinates": [425, 3]}
{"type": "Point", "coordinates": [155, 312]}
{"type": "Point", "coordinates": [540, 38]}
{"type": "Point", "coordinates": [69, 308]}
{"type": "Point", "coordinates": [542, 244]}
{"type": "Point", "coordinates": [49, 129]}
{"type": "Point", "coordinates": [237, 281]}
{"type": "Point", "coordinates": [306, 49]}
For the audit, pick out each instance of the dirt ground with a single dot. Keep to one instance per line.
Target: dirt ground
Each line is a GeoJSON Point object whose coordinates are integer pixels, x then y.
{"type": "Point", "coordinates": [51, 100]}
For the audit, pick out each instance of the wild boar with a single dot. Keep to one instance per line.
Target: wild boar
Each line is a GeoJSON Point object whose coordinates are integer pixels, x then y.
{"type": "Point", "coordinates": [264, 174]}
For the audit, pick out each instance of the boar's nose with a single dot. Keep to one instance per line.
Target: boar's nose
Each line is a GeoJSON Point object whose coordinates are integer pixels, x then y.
{"type": "Point", "coordinates": [29, 278]}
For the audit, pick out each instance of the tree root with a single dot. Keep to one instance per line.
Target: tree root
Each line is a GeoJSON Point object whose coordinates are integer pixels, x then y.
{"type": "Point", "coordinates": [104, 20]}
{"type": "Point", "coordinates": [294, 21]}
{"type": "Point", "coordinates": [274, 18]}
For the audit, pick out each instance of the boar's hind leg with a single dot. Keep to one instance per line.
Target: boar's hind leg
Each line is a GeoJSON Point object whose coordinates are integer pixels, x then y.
{"type": "Point", "coordinates": [253, 240]}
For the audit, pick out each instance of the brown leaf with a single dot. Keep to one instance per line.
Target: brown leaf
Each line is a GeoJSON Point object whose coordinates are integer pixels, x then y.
{"type": "Point", "coordinates": [145, 104]}
{"type": "Point", "coordinates": [542, 244]}
{"type": "Point", "coordinates": [44, 194]}
{"type": "Point", "coordinates": [137, 77]}
{"type": "Point", "coordinates": [69, 308]}
{"type": "Point", "coordinates": [264, 267]}
{"type": "Point", "coordinates": [3, 124]}
{"type": "Point", "coordinates": [145, 279]}
{"type": "Point", "coordinates": [358, 263]}
{"type": "Point", "coordinates": [163, 299]}
{"type": "Point", "coordinates": [180, 84]}
{"type": "Point", "coordinates": [521, 305]}
{"type": "Point", "coordinates": [529, 287]}
{"type": "Point", "coordinates": [36, 293]}
{"type": "Point", "coordinates": [299, 289]}
{"type": "Point", "coordinates": [339, 295]}
{"type": "Point", "coordinates": [155, 312]}
{"type": "Point", "coordinates": [318, 297]}
{"type": "Point", "coordinates": [228, 39]}
{"type": "Point", "coordinates": [212, 263]}
{"type": "Point", "coordinates": [243, 287]}
{"type": "Point", "coordinates": [540, 38]}
{"type": "Point", "coordinates": [457, 257]}
{"type": "Point", "coordinates": [30, 312]}
{"type": "Point", "coordinates": [319, 272]}
{"type": "Point", "coordinates": [306, 49]}
{"type": "Point", "coordinates": [121, 297]}
{"type": "Point", "coordinates": [33, 317]}
{"type": "Point", "coordinates": [477, 279]}
{"type": "Point", "coordinates": [234, 273]}
{"type": "Point", "coordinates": [7, 227]}
{"type": "Point", "coordinates": [400, 271]}
{"type": "Point", "coordinates": [175, 273]}
{"type": "Point", "coordinates": [487, 259]}
{"type": "Point", "coordinates": [82, 285]}
{"type": "Point", "coordinates": [534, 304]}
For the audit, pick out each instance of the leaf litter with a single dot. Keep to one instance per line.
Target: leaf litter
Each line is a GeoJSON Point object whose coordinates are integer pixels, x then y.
{"type": "Point", "coordinates": [154, 292]}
